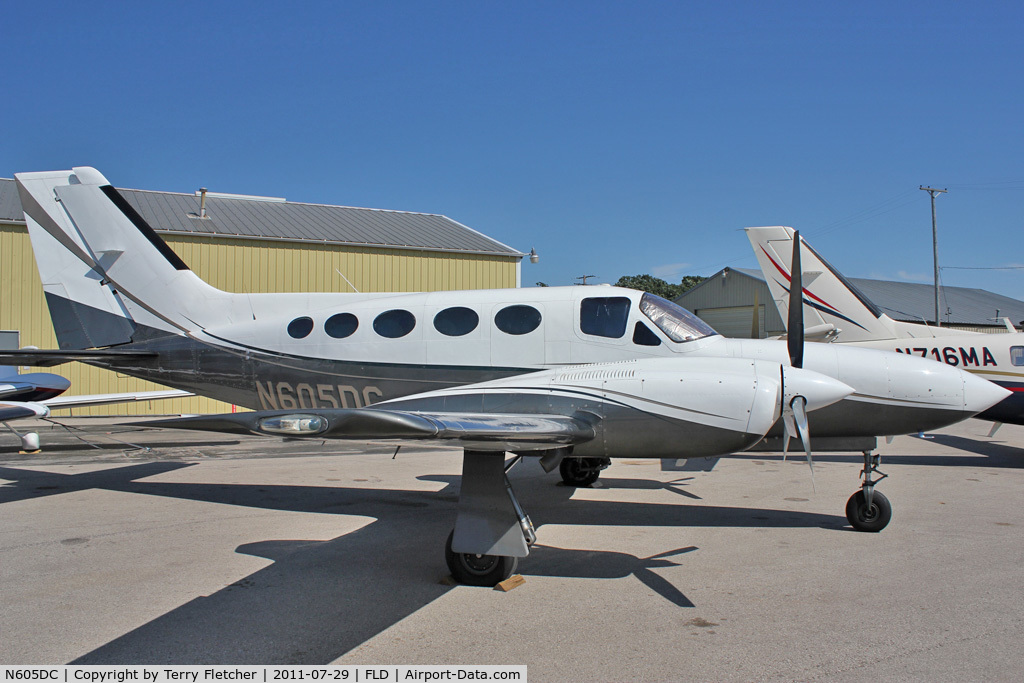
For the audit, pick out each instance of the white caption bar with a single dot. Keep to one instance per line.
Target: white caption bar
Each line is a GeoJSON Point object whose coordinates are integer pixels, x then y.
{"type": "Point", "coordinates": [427, 673]}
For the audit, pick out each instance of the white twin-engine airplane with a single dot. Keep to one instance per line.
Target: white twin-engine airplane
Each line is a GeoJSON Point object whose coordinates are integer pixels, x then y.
{"type": "Point", "coordinates": [836, 311]}
{"type": "Point", "coordinates": [575, 375]}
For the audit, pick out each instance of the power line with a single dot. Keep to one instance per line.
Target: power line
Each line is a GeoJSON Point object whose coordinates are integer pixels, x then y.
{"type": "Point", "coordinates": [1001, 185]}
{"type": "Point", "coordinates": [889, 205]}
{"type": "Point", "coordinates": [873, 211]}
{"type": "Point", "coordinates": [981, 268]}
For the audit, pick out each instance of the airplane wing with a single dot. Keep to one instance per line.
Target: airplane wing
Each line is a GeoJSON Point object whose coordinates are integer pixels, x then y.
{"type": "Point", "coordinates": [59, 402]}
{"type": "Point", "coordinates": [46, 358]}
{"type": "Point", "coordinates": [16, 410]}
{"type": "Point", "coordinates": [475, 431]}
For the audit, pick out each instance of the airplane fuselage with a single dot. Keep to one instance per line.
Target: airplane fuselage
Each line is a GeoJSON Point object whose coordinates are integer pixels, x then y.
{"type": "Point", "coordinates": [352, 351]}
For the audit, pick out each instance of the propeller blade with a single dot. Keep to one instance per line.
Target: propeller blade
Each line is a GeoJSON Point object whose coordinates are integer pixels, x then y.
{"type": "Point", "coordinates": [799, 406]}
{"type": "Point", "coordinates": [789, 432]}
{"type": "Point", "coordinates": [802, 390]}
{"type": "Point", "coordinates": [795, 324]}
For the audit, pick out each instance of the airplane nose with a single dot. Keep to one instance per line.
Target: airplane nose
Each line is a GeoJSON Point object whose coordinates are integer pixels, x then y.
{"type": "Point", "coordinates": [957, 393]}
{"type": "Point", "coordinates": [819, 390]}
{"type": "Point", "coordinates": [980, 394]}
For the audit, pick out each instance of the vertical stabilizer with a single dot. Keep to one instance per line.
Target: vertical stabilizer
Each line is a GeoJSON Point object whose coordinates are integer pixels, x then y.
{"type": "Point", "coordinates": [834, 310]}
{"type": "Point", "coordinates": [104, 269]}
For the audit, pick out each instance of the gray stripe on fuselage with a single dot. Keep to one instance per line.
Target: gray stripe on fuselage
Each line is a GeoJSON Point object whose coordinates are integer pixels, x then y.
{"type": "Point", "coordinates": [863, 418]}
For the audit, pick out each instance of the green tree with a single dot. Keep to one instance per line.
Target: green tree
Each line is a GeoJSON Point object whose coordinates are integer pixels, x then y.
{"type": "Point", "coordinates": [689, 282]}
{"type": "Point", "coordinates": [657, 286]}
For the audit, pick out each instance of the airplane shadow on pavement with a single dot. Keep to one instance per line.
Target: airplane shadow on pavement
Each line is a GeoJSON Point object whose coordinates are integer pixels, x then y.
{"type": "Point", "coordinates": [993, 453]}
{"type": "Point", "coordinates": [320, 599]}
{"type": "Point", "coordinates": [967, 453]}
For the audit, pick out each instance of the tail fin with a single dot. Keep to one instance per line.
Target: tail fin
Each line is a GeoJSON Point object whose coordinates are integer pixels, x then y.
{"type": "Point", "coordinates": [104, 269]}
{"type": "Point", "coordinates": [833, 308]}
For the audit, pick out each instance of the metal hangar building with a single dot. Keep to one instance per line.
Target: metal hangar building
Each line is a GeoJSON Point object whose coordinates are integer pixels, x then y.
{"type": "Point", "coordinates": [726, 302]}
{"type": "Point", "coordinates": [258, 244]}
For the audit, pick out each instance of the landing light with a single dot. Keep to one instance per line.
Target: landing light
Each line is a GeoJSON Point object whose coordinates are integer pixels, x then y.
{"type": "Point", "coordinates": [293, 424]}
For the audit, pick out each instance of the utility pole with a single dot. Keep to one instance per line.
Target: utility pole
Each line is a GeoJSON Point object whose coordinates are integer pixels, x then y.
{"type": "Point", "coordinates": [935, 249]}
{"type": "Point", "coordinates": [584, 278]}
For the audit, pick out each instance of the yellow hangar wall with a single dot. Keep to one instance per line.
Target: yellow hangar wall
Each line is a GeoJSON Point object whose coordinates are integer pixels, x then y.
{"type": "Point", "coordinates": [251, 265]}
{"type": "Point", "coordinates": [237, 265]}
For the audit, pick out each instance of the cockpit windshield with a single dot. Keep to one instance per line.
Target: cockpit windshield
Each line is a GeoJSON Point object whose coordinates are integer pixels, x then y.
{"type": "Point", "coordinates": [678, 323]}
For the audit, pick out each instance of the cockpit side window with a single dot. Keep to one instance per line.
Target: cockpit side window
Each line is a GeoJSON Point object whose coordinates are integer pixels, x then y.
{"type": "Point", "coordinates": [604, 316]}
{"type": "Point", "coordinates": [644, 336]}
{"type": "Point", "coordinates": [678, 323]}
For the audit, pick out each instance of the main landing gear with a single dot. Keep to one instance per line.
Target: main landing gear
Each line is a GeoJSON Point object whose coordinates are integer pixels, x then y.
{"type": "Point", "coordinates": [868, 509]}
{"type": "Point", "coordinates": [475, 569]}
{"type": "Point", "coordinates": [491, 530]}
{"type": "Point", "coordinates": [581, 472]}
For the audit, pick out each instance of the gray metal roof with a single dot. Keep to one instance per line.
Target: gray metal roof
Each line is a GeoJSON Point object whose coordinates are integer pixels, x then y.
{"type": "Point", "coordinates": [914, 302]}
{"type": "Point", "coordinates": [259, 218]}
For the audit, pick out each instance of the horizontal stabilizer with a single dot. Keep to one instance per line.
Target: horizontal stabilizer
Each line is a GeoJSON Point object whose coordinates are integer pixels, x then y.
{"type": "Point", "coordinates": [482, 431]}
{"type": "Point", "coordinates": [46, 358]}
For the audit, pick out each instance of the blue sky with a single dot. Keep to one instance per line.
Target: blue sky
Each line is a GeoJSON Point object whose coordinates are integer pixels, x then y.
{"type": "Point", "coordinates": [615, 138]}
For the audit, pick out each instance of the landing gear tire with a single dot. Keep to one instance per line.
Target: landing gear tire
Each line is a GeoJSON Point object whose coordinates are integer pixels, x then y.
{"type": "Point", "coordinates": [871, 518]}
{"type": "Point", "coordinates": [581, 472]}
{"type": "Point", "coordinates": [478, 570]}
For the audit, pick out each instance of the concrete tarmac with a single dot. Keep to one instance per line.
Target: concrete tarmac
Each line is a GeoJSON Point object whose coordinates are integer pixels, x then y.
{"type": "Point", "coordinates": [224, 549]}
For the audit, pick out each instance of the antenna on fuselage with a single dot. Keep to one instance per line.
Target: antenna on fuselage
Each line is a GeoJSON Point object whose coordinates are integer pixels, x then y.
{"type": "Point", "coordinates": [346, 280]}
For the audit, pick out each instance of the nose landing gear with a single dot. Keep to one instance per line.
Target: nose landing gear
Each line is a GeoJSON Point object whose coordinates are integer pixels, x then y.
{"type": "Point", "coordinates": [582, 472]}
{"type": "Point", "coordinates": [869, 510]}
